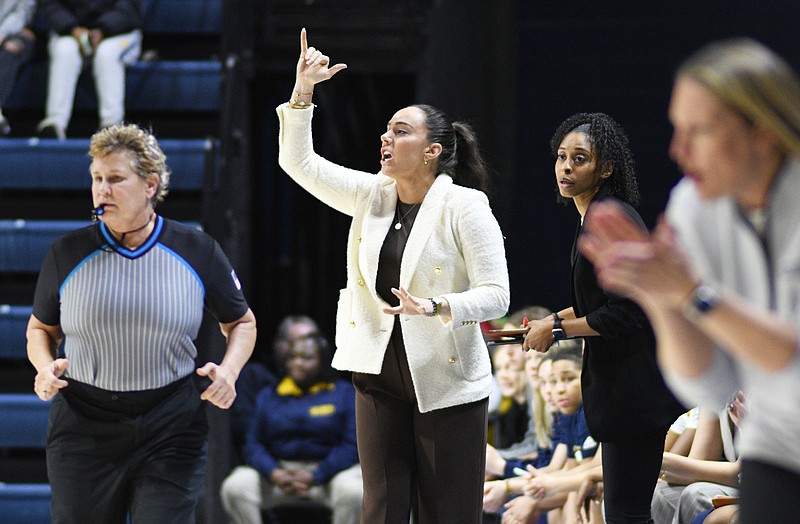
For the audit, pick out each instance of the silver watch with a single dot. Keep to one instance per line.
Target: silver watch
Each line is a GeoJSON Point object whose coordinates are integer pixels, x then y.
{"type": "Point", "coordinates": [702, 300]}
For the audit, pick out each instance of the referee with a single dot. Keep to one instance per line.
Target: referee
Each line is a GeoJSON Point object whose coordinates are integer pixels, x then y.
{"type": "Point", "coordinates": [127, 432]}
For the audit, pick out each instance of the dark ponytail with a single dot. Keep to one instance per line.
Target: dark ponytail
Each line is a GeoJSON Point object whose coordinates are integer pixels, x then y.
{"type": "Point", "coordinates": [461, 156]}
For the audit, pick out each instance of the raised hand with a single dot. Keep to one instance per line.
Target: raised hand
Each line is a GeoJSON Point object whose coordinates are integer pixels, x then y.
{"type": "Point", "coordinates": [313, 67]}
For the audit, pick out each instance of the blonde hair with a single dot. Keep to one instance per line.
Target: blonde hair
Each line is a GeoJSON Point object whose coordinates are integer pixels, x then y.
{"type": "Point", "coordinates": [754, 82]}
{"type": "Point", "coordinates": [145, 154]}
{"type": "Point", "coordinates": [542, 421]}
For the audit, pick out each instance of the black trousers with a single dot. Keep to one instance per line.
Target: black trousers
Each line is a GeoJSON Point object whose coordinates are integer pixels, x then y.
{"type": "Point", "coordinates": [111, 453]}
{"type": "Point", "coordinates": [768, 494]}
{"type": "Point", "coordinates": [630, 472]}
{"type": "Point", "coordinates": [429, 464]}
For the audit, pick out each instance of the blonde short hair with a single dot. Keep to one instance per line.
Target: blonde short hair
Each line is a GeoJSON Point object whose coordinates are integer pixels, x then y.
{"type": "Point", "coordinates": [755, 82]}
{"type": "Point", "coordinates": [143, 150]}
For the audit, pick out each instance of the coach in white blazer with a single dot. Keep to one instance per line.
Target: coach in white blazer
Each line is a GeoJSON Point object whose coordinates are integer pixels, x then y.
{"type": "Point", "coordinates": [425, 265]}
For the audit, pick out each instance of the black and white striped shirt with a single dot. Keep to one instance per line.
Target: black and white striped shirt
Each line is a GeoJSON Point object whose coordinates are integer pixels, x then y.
{"type": "Point", "coordinates": [130, 317]}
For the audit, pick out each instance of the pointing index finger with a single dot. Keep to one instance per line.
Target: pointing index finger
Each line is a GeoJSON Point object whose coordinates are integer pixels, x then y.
{"type": "Point", "coordinates": [303, 42]}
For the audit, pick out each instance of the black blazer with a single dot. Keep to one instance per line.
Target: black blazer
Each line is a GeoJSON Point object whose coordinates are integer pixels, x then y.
{"type": "Point", "coordinates": [624, 393]}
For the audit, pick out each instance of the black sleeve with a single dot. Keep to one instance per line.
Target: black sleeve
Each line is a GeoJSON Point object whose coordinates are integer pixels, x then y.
{"type": "Point", "coordinates": [224, 297]}
{"type": "Point", "coordinates": [616, 315]}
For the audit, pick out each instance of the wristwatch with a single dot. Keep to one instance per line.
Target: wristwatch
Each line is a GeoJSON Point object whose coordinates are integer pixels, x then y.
{"type": "Point", "coordinates": [558, 331]}
{"type": "Point", "coordinates": [437, 307]}
{"type": "Point", "coordinates": [702, 300]}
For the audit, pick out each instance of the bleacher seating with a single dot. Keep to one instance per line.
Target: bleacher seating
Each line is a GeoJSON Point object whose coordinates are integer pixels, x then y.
{"type": "Point", "coordinates": [24, 425]}
{"type": "Point", "coordinates": [179, 85]}
{"type": "Point", "coordinates": [24, 417]}
{"type": "Point", "coordinates": [182, 16]}
{"type": "Point", "coordinates": [25, 503]}
{"type": "Point", "coordinates": [28, 163]}
{"type": "Point", "coordinates": [13, 323]}
{"type": "Point", "coordinates": [24, 243]}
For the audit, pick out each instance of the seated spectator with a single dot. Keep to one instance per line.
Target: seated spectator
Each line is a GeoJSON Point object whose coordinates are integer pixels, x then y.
{"type": "Point", "coordinates": [258, 374]}
{"type": "Point", "coordinates": [568, 482]}
{"type": "Point", "coordinates": [681, 432]}
{"type": "Point", "coordinates": [509, 422]}
{"type": "Point", "coordinates": [514, 320]}
{"type": "Point", "coordinates": [105, 33]}
{"type": "Point", "coordinates": [535, 447]}
{"type": "Point", "coordinates": [302, 443]}
{"type": "Point", "coordinates": [540, 422]}
{"type": "Point", "coordinates": [688, 484]}
{"type": "Point", "coordinates": [573, 444]}
{"type": "Point", "coordinates": [16, 47]}
{"type": "Point", "coordinates": [497, 492]}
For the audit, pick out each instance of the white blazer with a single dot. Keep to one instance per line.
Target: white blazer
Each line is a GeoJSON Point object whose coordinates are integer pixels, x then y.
{"type": "Point", "coordinates": [455, 250]}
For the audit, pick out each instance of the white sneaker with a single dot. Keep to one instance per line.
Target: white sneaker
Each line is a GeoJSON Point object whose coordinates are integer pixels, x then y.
{"type": "Point", "coordinates": [49, 129]}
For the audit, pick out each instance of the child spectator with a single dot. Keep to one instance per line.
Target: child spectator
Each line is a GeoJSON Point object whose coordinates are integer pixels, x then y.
{"type": "Point", "coordinates": [509, 422]}
{"type": "Point", "coordinates": [571, 440]}
{"type": "Point", "coordinates": [536, 446]}
{"type": "Point", "coordinates": [106, 33]}
{"type": "Point", "coordinates": [540, 422]}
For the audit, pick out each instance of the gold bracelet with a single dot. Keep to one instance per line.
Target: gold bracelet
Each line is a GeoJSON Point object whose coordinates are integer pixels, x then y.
{"type": "Point", "coordinates": [508, 486]}
{"type": "Point", "coordinates": [299, 104]}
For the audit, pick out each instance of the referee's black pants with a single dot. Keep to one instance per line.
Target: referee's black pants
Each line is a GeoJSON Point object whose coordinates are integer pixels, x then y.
{"type": "Point", "coordinates": [114, 453]}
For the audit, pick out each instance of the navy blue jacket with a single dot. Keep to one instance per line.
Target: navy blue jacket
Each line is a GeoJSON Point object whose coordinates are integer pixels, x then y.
{"type": "Point", "coordinates": [112, 16]}
{"type": "Point", "coordinates": [317, 425]}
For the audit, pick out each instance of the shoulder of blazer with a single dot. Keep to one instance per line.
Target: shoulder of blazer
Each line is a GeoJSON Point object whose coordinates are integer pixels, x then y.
{"type": "Point", "coordinates": [456, 193]}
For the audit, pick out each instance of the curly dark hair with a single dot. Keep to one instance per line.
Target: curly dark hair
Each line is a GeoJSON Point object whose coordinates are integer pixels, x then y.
{"type": "Point", "coordinates": [611, 147]}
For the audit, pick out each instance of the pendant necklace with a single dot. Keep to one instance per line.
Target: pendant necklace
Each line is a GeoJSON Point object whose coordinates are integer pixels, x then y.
{"type": "Point", "coordinates": [399, 225]}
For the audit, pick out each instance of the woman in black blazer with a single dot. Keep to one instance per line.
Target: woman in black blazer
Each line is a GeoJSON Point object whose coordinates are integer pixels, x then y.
{"type": "Point", "coordinates": [628, 407]}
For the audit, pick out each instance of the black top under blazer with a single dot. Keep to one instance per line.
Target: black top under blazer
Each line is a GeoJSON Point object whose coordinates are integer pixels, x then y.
{"type": "Point", "coordinates": [624, 393]}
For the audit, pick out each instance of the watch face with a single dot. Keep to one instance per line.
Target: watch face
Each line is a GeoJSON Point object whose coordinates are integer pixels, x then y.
{"type": "Point", "coordinates": [558, 334]}
{"type": "Point", "coordinates": [704, 299]}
